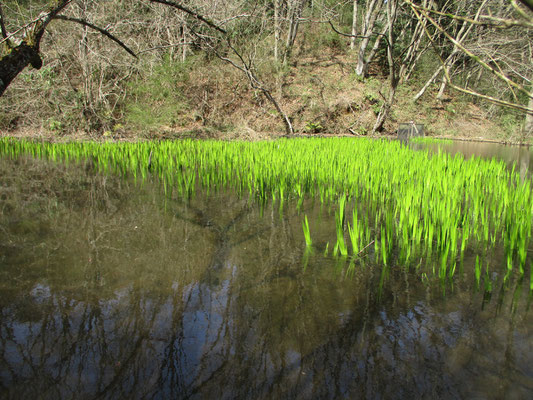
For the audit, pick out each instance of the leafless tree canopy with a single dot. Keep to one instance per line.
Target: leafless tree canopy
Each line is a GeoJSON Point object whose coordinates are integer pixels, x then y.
{"type": "Point", "coordinates": [101, 48]}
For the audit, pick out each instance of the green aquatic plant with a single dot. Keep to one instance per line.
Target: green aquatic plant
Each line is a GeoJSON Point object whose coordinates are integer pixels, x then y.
{"type": "Point", "coordinates": [340, 246]}
{"type": "Point", "coordinates": [307, 234]}
{"type": "Point", "coordinates": [415, 208]}
{"type": "Point", "coordinates": [354, 232]}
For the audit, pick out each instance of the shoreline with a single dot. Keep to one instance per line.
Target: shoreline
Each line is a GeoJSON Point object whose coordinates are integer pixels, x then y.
{"type": "Point", "coordinates": [231, 136]}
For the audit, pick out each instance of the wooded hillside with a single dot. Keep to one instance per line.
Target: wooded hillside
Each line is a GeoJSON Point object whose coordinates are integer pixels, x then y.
{"type": "Point", "coordinates": [166, 68]}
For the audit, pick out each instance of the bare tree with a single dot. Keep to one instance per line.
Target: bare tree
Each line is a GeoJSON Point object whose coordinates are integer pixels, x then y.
{"type": "Point", "coordinates": [371, 10]}
{"type": "Point", "coordinates": [414, 31]}
{"type": "Point", "coordinates": [276, 29]}
{"type": "Point", "coordinates": [294, 13]}
{"type": "Point", "coordinates": [245, 64]}
{"type": "Point", "coordinates": [462, 30]}
{"type": "Point", "coordinates": [16, 58]}
{"type": "Point", "coordinates": [392, 12]}
{"type": "Point", "coordinates": [401, 57]}
{"type": "Point", "coordinates": [495, 43]}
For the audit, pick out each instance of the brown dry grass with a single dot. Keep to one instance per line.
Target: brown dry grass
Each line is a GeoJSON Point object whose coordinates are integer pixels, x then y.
{"type": "Point", "coordinates": [320, 90]}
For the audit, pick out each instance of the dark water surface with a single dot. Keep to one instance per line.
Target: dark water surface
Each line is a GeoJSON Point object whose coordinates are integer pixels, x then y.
{"type": "Point", "coordinates": [110, 290]}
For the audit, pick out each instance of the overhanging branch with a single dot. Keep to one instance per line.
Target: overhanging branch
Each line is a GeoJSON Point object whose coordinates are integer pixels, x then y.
{"type": "Point", "coordinates": [527, 3]}
{"type": "Point", "coordinates": [45, 18]}
{"type": "Point", "coordinates": [445, 67]}
{"type": "Point", "coordinates": [472, 56]}
{"type": "Point", "coordinates": [356, 36]}
{"type": "Point", "coordinates": [192, 13]}
{"type": "Point", "coordinates": [100, 30]}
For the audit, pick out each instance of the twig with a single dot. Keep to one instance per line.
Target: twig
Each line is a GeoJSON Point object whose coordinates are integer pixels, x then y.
{"type": "Point", "coordinates": [6, 38]}
{"type": "Point", "coordinates": [357, 36]}
{"type": "Point", "coordinates": [353, 132]}
{"type": "Point", "coordinates": [364, 248]}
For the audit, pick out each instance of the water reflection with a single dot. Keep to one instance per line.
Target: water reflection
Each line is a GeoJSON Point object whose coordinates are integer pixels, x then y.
{"type": "Point", "coordinates": [518, 156]}
{"type": "Point", "coordinates": [110, 290]}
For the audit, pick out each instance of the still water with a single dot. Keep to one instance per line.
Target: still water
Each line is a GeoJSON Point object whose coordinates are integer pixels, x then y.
{"type": "Point", "coordinates": [520, 157]}
{"type": "Point", "coordinates": [109, 289]}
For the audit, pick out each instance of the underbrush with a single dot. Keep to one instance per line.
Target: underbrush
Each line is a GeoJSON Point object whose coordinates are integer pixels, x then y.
{"type": "Point", "coordinates": [162, 96]}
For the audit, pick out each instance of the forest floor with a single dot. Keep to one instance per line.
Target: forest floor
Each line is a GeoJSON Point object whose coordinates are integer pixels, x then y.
{"type": "Point", "coordinates": [320, 92]}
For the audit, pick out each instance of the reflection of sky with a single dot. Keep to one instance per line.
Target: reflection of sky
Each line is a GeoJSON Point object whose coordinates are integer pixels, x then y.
{"type": "Point", "coordinates": [73, 349]}
{"type": "Point", "coordinates": [195, 341]}
{"type": "Point", "coordinates": [203, 329]}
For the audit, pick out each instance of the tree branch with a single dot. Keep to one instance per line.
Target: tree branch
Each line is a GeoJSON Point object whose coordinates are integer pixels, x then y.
{"type": "Point", "coordinates": [355, 36]}
{"type": "Point", "coordinates": [527, 3]}
{"type": "Point", "coordinates": [96, 28]}
{"type": "Point", "coordinates": [493, 22]}
{"type": "Point", "coordinates": [12, 34]}
{"type": "Point", "coordinates": [45, 18]}
{"type": "Point", "coordinates": [465, 50]}
{"type": "Point", "coordinates": [485, 97]}
{"type": "Point", "coordinates": [465, 90]}
{"type": "Point", "coordinates": [190, 12]}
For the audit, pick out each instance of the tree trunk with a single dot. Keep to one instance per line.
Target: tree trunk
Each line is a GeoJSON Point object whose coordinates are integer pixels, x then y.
{"type": "Point", "coordinates": [86, 70]}
{"type": "Point", "coordinates": [427, 84]}
{"type": "Point", "coordinates": [392, 8]}
{"type": "Point", "coordinates": [385, 109]}
{"type": "Point", "coordinates": [528, 125]}
{"type": "Point", "coordinates": [369, 21]}
{"type": "Point", "coordinates": [442, 88]}
{"type": "Point", "coordinates": [294, 14]}
{"type": "Point", "coordinates": [185, 48]}
{"type": "Point", "coordinates": [276, 30]}
{"type": "Point", "coordinates": [354, 25]}
{"type": "Point", "coordinates": [15, 61]}
{"type": "Point", "coordinates": [289, 130]}
{"type": "Point", "coordinates": [375, 48]}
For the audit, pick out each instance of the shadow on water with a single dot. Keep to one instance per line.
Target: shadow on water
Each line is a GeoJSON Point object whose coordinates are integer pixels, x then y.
{"type": "Point", "coordinates": [110, 290]}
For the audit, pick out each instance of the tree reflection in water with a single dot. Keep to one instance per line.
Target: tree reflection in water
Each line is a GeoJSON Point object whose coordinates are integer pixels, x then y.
{"type": "Point", "coordinates": [110, 290]}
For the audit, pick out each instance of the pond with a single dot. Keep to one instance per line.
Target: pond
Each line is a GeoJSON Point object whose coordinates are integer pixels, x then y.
{"type": "Point", "coordinates": [518, 156]}
{"type": "Point", "coordinates": [114, 287]}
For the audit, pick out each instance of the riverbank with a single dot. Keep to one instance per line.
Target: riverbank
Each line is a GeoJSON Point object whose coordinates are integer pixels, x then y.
{"type": "Point", "coordinates": [320, 94]}
{"type": "Point", "coordinates": [45, 135]}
